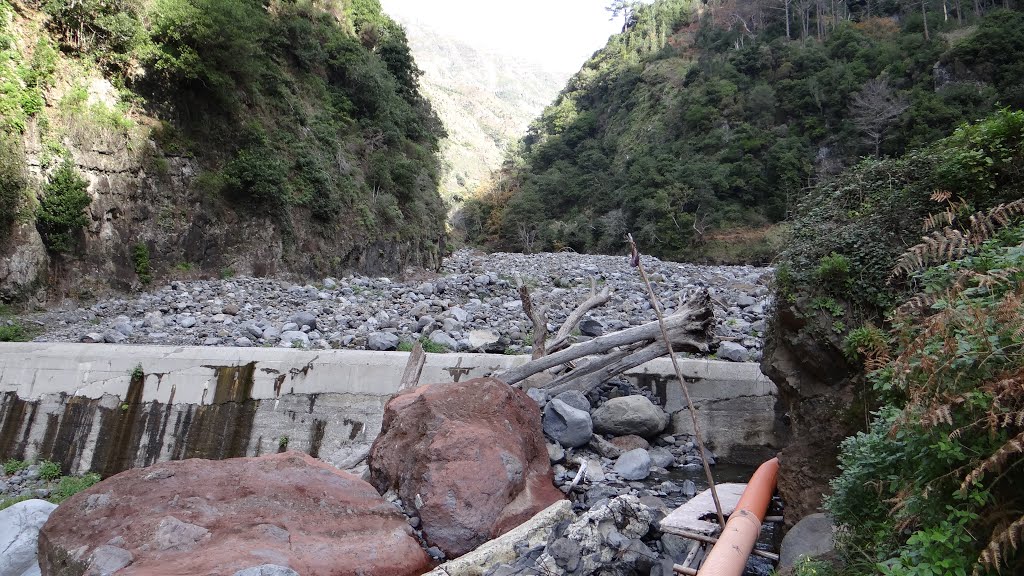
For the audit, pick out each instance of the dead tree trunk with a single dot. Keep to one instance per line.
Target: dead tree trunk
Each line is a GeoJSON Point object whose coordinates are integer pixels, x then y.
{"type": "Point", "coordinates": [689, 330]}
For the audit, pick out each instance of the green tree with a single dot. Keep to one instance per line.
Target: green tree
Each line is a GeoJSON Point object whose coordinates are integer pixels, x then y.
{"type": "Point", "coordinates": [61, 211]}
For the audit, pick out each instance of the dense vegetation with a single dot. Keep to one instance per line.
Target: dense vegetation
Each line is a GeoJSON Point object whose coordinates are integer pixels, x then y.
{"type": "Point", "coordinates": [697, 129]}
{"type": "Point", "coordinates": [307, 111]}
{"type": "Point", "coordinates": [932, 486]}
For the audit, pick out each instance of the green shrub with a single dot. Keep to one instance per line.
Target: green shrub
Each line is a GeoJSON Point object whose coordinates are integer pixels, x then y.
{"type": "Point", "coordinates": [13, 333]}
{"type": "Point", "coordinates": [933, 486]}
{"type": "Point", "coordinates": [140, 257]}
{"type": "Point", "coordinates": [833, 272]}
{"type": "Point", "coordinates": [427, 344]}
{"type": "Point", "coordinates": [49, 470]}
{"type": "Point", "coordinates": [71, 485]}
{"type": "Point", "coordinates": [11, 466]}
{"type": "Point", "coordinates": [12, 182]}
{"type": "Point", "coordinates": [258, 174]}
{"type": "Point", "coordinates": [61, 212]}
{"type": "Point", "coordinates": [866, 342]}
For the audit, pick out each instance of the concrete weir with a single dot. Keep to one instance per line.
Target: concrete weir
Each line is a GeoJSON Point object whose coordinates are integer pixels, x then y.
{"type": "Point", "coordinates": [108, 408]}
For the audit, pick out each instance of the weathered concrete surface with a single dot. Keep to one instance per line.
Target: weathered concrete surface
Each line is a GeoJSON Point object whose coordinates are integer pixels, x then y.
{"type": "Point", "coordinates": [111, 408]}
{"type": "Point", "coordinates": [735, 402]}
{"type": "Point", "coordinates": [691, 515]}
{"type": "Point", "coordinates": [80, 405]}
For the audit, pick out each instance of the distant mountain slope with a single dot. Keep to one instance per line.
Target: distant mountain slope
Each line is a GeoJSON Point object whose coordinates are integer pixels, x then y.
{"type": "Point", "coordinates": [700, 126]}
{"type": "Point", "coordinates": [485, 100]}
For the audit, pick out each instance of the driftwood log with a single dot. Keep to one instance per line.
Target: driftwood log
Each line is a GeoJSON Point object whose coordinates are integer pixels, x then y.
{"type": "Point", "coordinates": [587, 365]}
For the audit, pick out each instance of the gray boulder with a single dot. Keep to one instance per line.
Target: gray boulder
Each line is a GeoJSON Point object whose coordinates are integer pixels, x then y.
{"type": "Point", "coordinates": [591, 327]}
{"type": "Point", "coordinates": [304, 319]}
{"type": "Point", "coordinates": [124, 328]}
{"type": "Point", "coordinates": [295, 339]}
{"type": "Point", "coordinates": [662, 457]}
{"type": "Point", "coordinates": [537, 395]}
{"type": "Point", "coordinates": [744, 300]}
{"type": "Point", "coordinates": [187, 321]}
{"type": "Point", "coordinates": [442, 338]}
{"type": "Point", "coordinates": [689, 488]}
{"type": "Point", "coordinates": [576, 399]}
{"type": "Point", "coordinates": [634, 465]}
{"type": "Point", "coordinates": [382, 341]}
{"type": "Point", "coordinates": [810, 537]}
{"type": "Point", "coordinates": [566, 425]}
{"type": "Point", "coordinates": [114, 337]}
{"type": "Point", "coordinates": [19, 535]}
{"type": "Point", "coordinates": [733, 352]}
{"type": "Point", "coordinates": [482, 338]}
{"type": "Point", "coordinates": [629, 415]}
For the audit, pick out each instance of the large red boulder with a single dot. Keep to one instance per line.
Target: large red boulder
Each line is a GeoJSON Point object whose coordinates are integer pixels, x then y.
{"type": "Point", "coordinates": [219, 517]}
{"type": "Point", "coordinates": [469, 456]}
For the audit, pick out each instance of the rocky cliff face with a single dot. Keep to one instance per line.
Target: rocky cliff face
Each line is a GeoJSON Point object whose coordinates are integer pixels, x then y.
{"type": "Point", "coordinates": [300, 184]}
{"type": "Point", "coordinates": [186, 231]}
{"type": "Point", "coordinates": [816, 391]}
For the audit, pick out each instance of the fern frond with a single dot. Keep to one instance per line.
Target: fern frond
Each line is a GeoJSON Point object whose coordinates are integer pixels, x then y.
{"type": "Point", "coordinates": [992, 556]}
{"type": "Point", "coordinates": [983, 225]}
{"type": "Point", "coordinates": [995, 462]}
{"type": "Point", "coordinates": [941, 195]}
{"type": "Point", "coordinates": [947, 244]}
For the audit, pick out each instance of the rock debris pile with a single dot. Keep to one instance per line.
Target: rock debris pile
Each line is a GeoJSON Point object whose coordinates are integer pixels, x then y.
{"type": "Point", "coordinates": [473, 305]}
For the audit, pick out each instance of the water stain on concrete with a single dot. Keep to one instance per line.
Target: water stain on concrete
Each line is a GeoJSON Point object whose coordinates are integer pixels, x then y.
{"type": "Point", "coordinates": [134, 433]}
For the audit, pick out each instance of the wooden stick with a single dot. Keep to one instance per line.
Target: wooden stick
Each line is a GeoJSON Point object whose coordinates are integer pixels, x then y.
{"type": "Point", "coordinates": [679, 569]}
{"type": "Point", "coordinates": [413, 368]}
{"type": "Point", "coordinates": [679, 375]}
{"type": "Point", "coordinates": [570, 323]}
{"type": "Point", "coordinates": [692, 553]}
{"type": "Point", "coordinates": [713, 540]}
{"type": "Point", "coordinates": [538, 317]}
{"type": "Point", "coordinates": [579, 476]}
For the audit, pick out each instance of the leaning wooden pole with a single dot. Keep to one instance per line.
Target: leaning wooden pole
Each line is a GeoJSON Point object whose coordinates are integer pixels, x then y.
{"type": "Point", "coordinates": [679, 376]}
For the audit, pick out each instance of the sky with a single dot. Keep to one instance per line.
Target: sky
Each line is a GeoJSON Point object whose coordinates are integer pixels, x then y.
{"type": "Point", "coordinates": [557, 34]}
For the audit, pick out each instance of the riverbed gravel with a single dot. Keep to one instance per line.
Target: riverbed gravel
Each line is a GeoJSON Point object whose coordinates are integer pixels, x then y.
{"type": "Point", "coordinates": [472, 304]}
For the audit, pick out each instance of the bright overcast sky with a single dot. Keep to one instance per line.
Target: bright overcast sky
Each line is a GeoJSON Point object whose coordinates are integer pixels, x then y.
{"type": "Point", "coordinates": [558, 34]}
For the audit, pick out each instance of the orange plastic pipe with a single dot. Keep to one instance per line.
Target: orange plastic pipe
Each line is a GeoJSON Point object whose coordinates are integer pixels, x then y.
{"type": "Point", "coordinates": [729, 556]}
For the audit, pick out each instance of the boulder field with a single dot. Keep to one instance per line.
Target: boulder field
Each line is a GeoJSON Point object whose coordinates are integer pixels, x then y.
{"type": "Point", "coordinates": [472, 305]}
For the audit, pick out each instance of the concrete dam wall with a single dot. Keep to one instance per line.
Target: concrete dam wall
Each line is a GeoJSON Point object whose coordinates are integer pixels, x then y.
{"type": "Point", "coordinates": [109, 408]}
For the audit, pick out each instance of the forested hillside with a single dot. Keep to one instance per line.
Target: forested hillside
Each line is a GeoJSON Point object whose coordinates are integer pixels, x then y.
{"type": "Point", "coordinates": [219, 136]}
{"type": "Point", "coordinates": [485, 100]}
{"type": "Point", "coordinates": [700, 127]}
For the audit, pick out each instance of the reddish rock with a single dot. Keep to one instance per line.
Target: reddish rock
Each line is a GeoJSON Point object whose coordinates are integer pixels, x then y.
{"type": "Point", "coordinates": [470, 456]}
{"type": "Point", "coordinates": [630, 442]}
{"type": "Point", "coordinates": [219, 517]}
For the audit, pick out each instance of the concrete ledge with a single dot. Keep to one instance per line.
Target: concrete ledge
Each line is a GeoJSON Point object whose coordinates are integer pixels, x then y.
{"type": "Point", "coordinates": [110, 407]}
